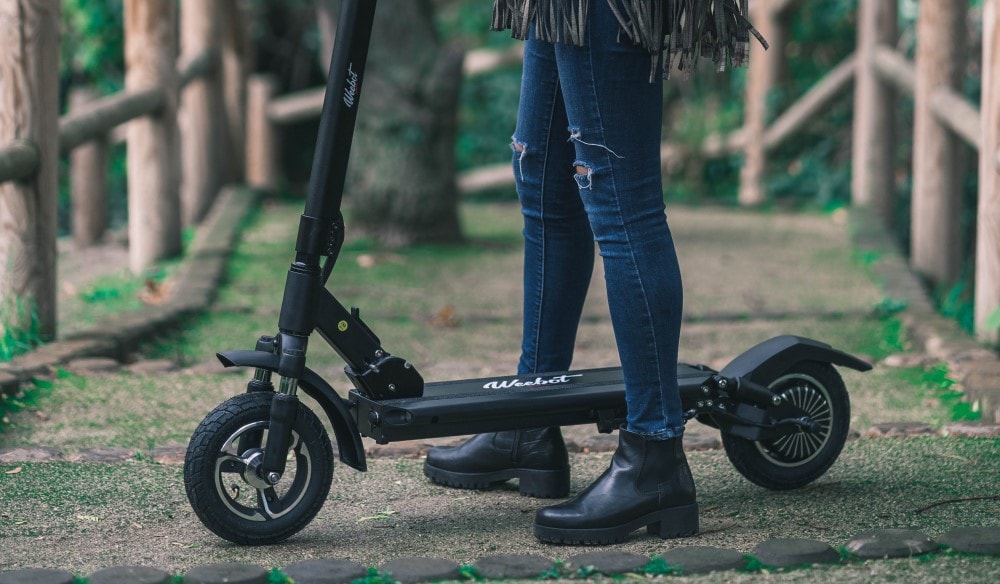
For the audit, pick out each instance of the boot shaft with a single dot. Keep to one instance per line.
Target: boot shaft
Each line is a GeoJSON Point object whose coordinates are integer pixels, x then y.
{"type": "Point", "coordinates": [655, 466]}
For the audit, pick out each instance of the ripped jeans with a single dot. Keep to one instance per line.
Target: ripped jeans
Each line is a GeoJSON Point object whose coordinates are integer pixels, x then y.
{"type": "Point", "coordinates": [587, 165]}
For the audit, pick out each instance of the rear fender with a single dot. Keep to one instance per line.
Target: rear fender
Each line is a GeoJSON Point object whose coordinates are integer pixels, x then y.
{"type": "Point", "coordinates": [765, 362]}
{"type": "Point", "coordinates": [352, 450]}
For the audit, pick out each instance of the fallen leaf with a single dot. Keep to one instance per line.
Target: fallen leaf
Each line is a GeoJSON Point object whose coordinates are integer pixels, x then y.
{"type": "Point", "coordinates": [446, 318]}
{"type": "Point", "coordinates": [154, 292]}
{"type": "Point", "coordinates": [14, 470]}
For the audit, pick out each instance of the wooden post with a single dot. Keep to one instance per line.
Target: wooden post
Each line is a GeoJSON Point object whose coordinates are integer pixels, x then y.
{"type": "Point", "coordinates": [29, 110]}
{"type": "Point", "coordinates": [935, 250]}
{"type": "Point", "coordinates": [236, 61]}
{"type": "Point", "coordinates": [88, 175]}
{"type": "Point", "coordinates": [760, 81]}
{"type": "Point", "coordinates": [262, 136]}
{"type": "Point", "coordinates": [154, 226]}
{"type": "Point", "coordinates": [872, 178]}
{"type": "Point", "coordinates": [988, 218]}
{"type": "Point", "coordinates": [201, 119]}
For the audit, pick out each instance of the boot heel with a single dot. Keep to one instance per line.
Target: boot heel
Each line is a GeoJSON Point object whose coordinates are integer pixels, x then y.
{"type": "Point", "coordinates": [544, 484]}
{"type": "Point", "coordinates": [676, 522]}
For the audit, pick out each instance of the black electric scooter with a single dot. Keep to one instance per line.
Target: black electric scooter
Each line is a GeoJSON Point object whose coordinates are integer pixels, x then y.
{"type": "Point", "coordinates": [259, 466]}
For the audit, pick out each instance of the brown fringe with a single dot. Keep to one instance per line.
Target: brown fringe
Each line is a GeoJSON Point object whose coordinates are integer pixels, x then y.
{"type": "Point", "coordinates": [681, 30]}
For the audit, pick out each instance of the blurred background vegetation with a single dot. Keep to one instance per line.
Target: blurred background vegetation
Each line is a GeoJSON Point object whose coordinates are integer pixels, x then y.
{"type": "Point", "coordinates": [812, 170]}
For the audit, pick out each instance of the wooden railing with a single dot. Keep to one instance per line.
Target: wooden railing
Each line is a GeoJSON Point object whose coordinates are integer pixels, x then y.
{"type": "Point", "coordinates": [161, 199]}
{"type": "Point", "coordinates": [943, 121]}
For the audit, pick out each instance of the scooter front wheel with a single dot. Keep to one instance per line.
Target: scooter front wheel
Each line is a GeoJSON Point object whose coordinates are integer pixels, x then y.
{"type": "Point", "coordinates": [223, 480]}
{"type": "Point", "coordinates": [798, 458]}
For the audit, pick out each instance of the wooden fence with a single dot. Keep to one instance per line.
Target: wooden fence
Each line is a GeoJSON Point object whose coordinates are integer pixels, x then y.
{"type": "Point", "coordinates": [942, 120]}
{"type": "Point", "coordinates": [169, 186]}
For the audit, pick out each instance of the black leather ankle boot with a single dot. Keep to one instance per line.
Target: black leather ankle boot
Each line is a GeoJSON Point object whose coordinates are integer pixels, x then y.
{"type": "Point", "coordinates": [537, 458]}
{"type": "Point", "coordinates": [648, 485]}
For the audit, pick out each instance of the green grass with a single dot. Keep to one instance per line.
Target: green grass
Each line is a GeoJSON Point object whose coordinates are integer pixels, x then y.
{"type": "Point", "coordinates": [938, 392]}
{"type": "Point", "coordinates": [19, 328]}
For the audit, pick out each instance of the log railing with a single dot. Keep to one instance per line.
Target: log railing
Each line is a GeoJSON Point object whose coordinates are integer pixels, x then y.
{"type": "Point", "coordinates": [148, 109]}
{"type": "Point", "coordinates": [943, 121]}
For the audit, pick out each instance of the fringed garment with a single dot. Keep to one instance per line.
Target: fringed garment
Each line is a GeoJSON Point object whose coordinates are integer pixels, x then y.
{"type": "Point", "coordinates": [669, 29]}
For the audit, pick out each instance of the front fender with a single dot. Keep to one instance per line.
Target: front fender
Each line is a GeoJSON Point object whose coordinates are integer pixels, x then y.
{"type": "Point", "coordinates": [352, 450]}
{"type": "Point", "coordinates": [766, 361]}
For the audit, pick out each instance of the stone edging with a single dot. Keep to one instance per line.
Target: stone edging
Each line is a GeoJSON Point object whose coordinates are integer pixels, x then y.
{"type": "Point", "coordinates": [194, 289]}
{"type": "Point", "coordinates": [770, 555]}
{"type": "Point", "coordinates": [970, 363]}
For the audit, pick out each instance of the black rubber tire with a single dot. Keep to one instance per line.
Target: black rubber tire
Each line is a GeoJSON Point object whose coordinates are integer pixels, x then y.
{"type": "Point", "coordinates": [782, 464]}
{"type": "Point", "coordinates": [239, 424]}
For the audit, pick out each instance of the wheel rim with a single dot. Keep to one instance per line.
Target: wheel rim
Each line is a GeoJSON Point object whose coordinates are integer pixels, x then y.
{"type": "Point", "coordinates": [808, 394]}
{"type": "Point", "coordinates": [247, 495]}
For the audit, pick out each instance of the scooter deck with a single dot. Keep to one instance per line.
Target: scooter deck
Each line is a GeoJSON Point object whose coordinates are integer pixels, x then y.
{"type": "Point", "coordinates": [493, 404]}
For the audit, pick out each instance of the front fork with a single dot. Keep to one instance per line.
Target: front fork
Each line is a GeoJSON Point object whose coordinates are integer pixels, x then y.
{"type": "Point", "coordinates": [284, 408]}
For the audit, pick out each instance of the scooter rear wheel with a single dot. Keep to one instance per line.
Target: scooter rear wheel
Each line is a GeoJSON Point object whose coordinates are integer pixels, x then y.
{"type": "Point", "coordinates": [799, 458]}
{"type": "Point", "coordinates": [223, 482]}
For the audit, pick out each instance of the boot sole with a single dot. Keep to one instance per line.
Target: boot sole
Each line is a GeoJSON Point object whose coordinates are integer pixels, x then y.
{"type": "Point", "coordinates": [542, 484]}
{"type": "Point", "coordinates": [667, 523]}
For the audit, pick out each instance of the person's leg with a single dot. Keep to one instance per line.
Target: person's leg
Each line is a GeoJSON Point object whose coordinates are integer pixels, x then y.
{"type": "Point", "coordinates": [558, 263]}
{"type": "Point", "coordinates": [614, 116]}
{"type": "Point", "coordinates": [558, 242]}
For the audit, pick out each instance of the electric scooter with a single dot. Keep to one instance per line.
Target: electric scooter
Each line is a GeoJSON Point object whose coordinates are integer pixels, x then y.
{"type": "Point", "coordinates": [259, 467]}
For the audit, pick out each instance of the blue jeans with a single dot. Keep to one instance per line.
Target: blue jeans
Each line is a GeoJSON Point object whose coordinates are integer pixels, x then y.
{"type": "Point", "coordinates": [587, 165]}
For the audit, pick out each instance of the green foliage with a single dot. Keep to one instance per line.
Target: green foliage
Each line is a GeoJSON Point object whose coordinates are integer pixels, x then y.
{"type": "Point", "coordinates": [888, 306]}
{"type": "Point", "coordinates": [958, 303]}
{"type": "Point", "coordinates": [19, 328]}
{"type": "Point", "coordinates": [657, 566]}
{"type": "Point", "coordinates": [467, 572]}
{"type": "Point", "coordinates": [753, 564]}
{"type": "Point", "coordinates": [29, 397]}
{"type": "Point", "coordinates": [92, 43]}
{"type": "Point", "coordinates": [936, 388]}
{"type": "Point", "coordinates": [487, 116]}
{"type": "Point", "coordinates": [556, 572]}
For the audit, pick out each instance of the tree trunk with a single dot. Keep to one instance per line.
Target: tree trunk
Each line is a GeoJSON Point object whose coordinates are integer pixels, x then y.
{"type": "Point", "coordinates": [154, 227]}
{"type": "Point", "coordinates": [402, 179]}
{"type": "Point", "coordinates": [29, 110]}
{"type": "Point", "coordinates": [935, 249]}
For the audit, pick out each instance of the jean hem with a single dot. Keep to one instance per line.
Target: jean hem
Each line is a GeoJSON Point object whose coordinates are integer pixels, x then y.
{"type": "Point", "coordinates": [660, 436]}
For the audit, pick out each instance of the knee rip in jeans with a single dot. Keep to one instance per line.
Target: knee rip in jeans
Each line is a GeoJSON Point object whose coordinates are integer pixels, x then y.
{"type": "Point", "coordinates": [522, 149]}
{"type": "Point", "coordinates": [584, 176]}
{"type": "Point", "coordinates": [575, 135]}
